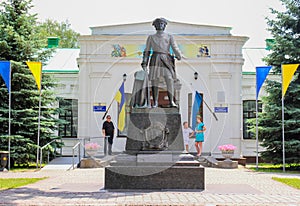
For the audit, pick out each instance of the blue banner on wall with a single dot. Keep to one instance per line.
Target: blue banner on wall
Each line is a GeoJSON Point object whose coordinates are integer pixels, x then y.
{"type": "Point", "coordinates": [99, 107]}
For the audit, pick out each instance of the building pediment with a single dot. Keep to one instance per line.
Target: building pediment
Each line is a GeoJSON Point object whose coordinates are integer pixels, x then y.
{"type": "Point", "coordinates": [146, 28]}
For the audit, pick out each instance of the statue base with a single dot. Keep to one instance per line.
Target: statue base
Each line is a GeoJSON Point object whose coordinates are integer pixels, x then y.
{"type": "Point", "coordinates": [154, 129]}
{"type": "Point", "coordinates": [153, 158]}
{"type": "Point", "coordinates": [160, 171]}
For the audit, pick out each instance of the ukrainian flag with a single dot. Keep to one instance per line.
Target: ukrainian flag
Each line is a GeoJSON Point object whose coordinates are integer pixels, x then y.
{"type": "Point", "coordinates": [120, 98]}
{"type": "Point", "coordinates": [196, 108]}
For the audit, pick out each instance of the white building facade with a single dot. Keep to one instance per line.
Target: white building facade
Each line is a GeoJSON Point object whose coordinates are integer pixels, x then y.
{"type": "Point", "coordinates": [211, 52]}
{"type": "Point", "coordinates": [90, 77]}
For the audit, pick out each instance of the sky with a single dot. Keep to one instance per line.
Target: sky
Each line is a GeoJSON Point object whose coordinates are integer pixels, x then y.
{"type": "Point", "coordinates": [245, 17]}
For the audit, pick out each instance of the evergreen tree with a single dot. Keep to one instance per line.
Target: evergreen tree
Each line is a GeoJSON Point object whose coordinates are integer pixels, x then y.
{"type": "Point", "coordinates": [19, 43]}
{"type": "Point", "coordinates": [285, 28]}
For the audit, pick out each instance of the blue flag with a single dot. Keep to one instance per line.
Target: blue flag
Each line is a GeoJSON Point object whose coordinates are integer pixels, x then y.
{"type": "Point", "coordinates": [261, 74]}
{"type": "Point", "coordinates": [5, 73]}
{"type": "Point", "coordinates": [196, 107]}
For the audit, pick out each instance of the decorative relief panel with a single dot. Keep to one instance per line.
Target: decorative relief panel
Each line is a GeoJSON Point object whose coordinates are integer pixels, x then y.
{"type": "Point", "coordinates": [136, 51]}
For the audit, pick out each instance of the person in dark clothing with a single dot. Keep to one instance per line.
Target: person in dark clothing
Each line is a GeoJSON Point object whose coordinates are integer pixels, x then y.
{"type": "Point", "coordinates": [108, 130]}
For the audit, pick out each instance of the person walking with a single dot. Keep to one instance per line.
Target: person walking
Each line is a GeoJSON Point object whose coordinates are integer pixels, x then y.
{"type": "Point", "coordinates": [187, 134]}
{"type": "Point", "coordinates": [199, 130]}
{"type": "Point", "coordinates": [108, 131]}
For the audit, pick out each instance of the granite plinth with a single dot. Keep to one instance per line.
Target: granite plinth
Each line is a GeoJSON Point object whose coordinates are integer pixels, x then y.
{"type": "Point", "coordinates": [153, 158]}
{"type": "Point", "coordinates": [164, 158]}
{"type": "Point", "coordinates": [147, 170]}
{"type": "Point", "coordinates": [157, 178]}
{"type": "Point", "coordinates": [154, 129]}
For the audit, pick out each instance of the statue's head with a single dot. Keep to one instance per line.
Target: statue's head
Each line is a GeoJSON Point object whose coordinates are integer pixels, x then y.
{"type": "Point", "coordinates": [160, 24]}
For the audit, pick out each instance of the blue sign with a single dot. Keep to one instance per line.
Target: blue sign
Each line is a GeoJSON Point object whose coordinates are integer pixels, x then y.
{"type": "Point", "coordinates": [99, 107]}
{"type": "Point", "coordinates": [221, 109]}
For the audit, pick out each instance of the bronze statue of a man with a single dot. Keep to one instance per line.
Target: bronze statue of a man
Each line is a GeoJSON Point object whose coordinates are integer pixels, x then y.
{"type": "Point", "coordinates": [161, 64]}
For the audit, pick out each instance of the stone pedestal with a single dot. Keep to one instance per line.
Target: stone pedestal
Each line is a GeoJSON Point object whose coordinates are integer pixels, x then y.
{"type": "Point", "coordinates": [154, 129]}
{"type": "Point", "coordinates": [153, 158]}
{"type": "Point", "coordinates": [159, 177]}
{"type": "Point", "coordinates": [146, 171]}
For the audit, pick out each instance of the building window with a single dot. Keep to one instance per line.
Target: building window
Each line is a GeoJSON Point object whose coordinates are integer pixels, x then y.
{"type": "Point", "coordinates": [69, 113]}
{"type": "Point", "coordinates": [249, 109]}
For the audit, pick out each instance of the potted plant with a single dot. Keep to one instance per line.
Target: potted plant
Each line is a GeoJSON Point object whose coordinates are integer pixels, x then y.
{"type": "Point", "coordinates": [91, 148]}
{"type": "Point", "coordinates": [227, 151]}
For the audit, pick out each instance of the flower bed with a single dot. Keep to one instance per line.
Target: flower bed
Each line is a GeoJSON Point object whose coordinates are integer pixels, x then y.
{"type": "Point", "coordinates": [227, 147]}
{"type": "Point", "coordinates": [91, 146]}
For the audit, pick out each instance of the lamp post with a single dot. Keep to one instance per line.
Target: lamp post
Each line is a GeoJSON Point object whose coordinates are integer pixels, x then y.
{"type": "Point", "coordinates": [196, 75]}
{"type": "Point", "coordinates": [124, 77]}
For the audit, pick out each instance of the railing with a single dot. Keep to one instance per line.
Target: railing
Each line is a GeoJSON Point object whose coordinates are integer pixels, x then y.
{"type": "Point", "coordinates": [73, 153]}
{"type": "Point", "coordinates": [82, 141]}
{"type": "Point", "coordinates": [48, 156]}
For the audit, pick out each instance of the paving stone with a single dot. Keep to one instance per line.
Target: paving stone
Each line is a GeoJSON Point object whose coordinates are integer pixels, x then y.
{"type": "Point", "coordinates": [83, 187]}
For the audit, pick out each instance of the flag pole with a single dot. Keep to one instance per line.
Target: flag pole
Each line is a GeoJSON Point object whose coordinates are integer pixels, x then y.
{"type": "Point", "coordinates": [215, 116]}
{"type": "Point", "coordinates": [38, 135]}
{"type": "Point", "coordinates": [39, 123]}
{"type": "Point", "coordinates": [113, 100]}
{"type": "Point", "coordinates": [286, 78]}
{"type": "Point", "coordinates": [107, 109]}
{"type": "Point", "coordinates": [9, 116]}
{"type": "Point", "coordinates": [261, 74]}
{"type": "Point", "coordinates": [282, 114]}
{"type": "Point", "coordinates": [256, 109]}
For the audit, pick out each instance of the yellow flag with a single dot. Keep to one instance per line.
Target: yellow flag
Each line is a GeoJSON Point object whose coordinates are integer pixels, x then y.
{"type": "Point", "coordinates": [36, 70]}
{"type": "Point", "coordinates": [288, 71]}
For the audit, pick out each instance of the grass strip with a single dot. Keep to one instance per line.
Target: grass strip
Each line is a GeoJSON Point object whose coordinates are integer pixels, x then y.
{"type": "Point", "coordinates": [267, 167]}
{"type": "Point", "coordinates": [10, 183]}
{"type": "Point", "coordinates": [293, 182]}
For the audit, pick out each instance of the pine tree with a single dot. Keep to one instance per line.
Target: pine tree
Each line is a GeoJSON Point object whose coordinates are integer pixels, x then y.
{"type": "Point", "coordinates": [285, 28]}
{"type": "Point", "coordinates": [19, 43]}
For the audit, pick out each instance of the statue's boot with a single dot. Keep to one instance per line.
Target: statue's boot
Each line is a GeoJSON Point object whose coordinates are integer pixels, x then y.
{"type": "Point", "coordinates": [144, 106]}
{"type": "Point", "coordinates": [170, 87]}
{"type": "Point", "coordinates": [172, 103]}
{"type": "Point", "coordinates": [155, 104]}
{"type": "Point", "coordinates": [155, 96]}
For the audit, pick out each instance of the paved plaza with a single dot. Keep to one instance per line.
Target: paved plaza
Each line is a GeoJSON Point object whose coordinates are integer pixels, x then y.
{"type": "Point", "coordinates": [85, 187]}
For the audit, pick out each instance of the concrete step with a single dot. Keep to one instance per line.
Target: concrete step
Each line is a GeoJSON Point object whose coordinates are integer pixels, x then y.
{"type": "Point", "coordinates": [207, 161]}
{"type": "Point", "coordinates": [61, 163]}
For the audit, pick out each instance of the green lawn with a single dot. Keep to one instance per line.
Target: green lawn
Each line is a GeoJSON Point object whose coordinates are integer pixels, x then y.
{"type": "Point", "coordinates": [10, 183]}
{"type": "Point", "coordinates": [293, 182]}
{"type": "Point", "coordinates": [267, 167]}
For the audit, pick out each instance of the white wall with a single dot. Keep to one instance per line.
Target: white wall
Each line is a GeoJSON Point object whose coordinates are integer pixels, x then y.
{"type": "Point", "coordinates": [100, 77]}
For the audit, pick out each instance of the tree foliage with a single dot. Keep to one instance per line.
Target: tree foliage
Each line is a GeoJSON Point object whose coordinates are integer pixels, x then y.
{"type": "Point", "coordinates": [20, 43]}
{"type": "Point", "coordinates": [285, 28]}
{"type": "Point", "coordinates": [68, 38]}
